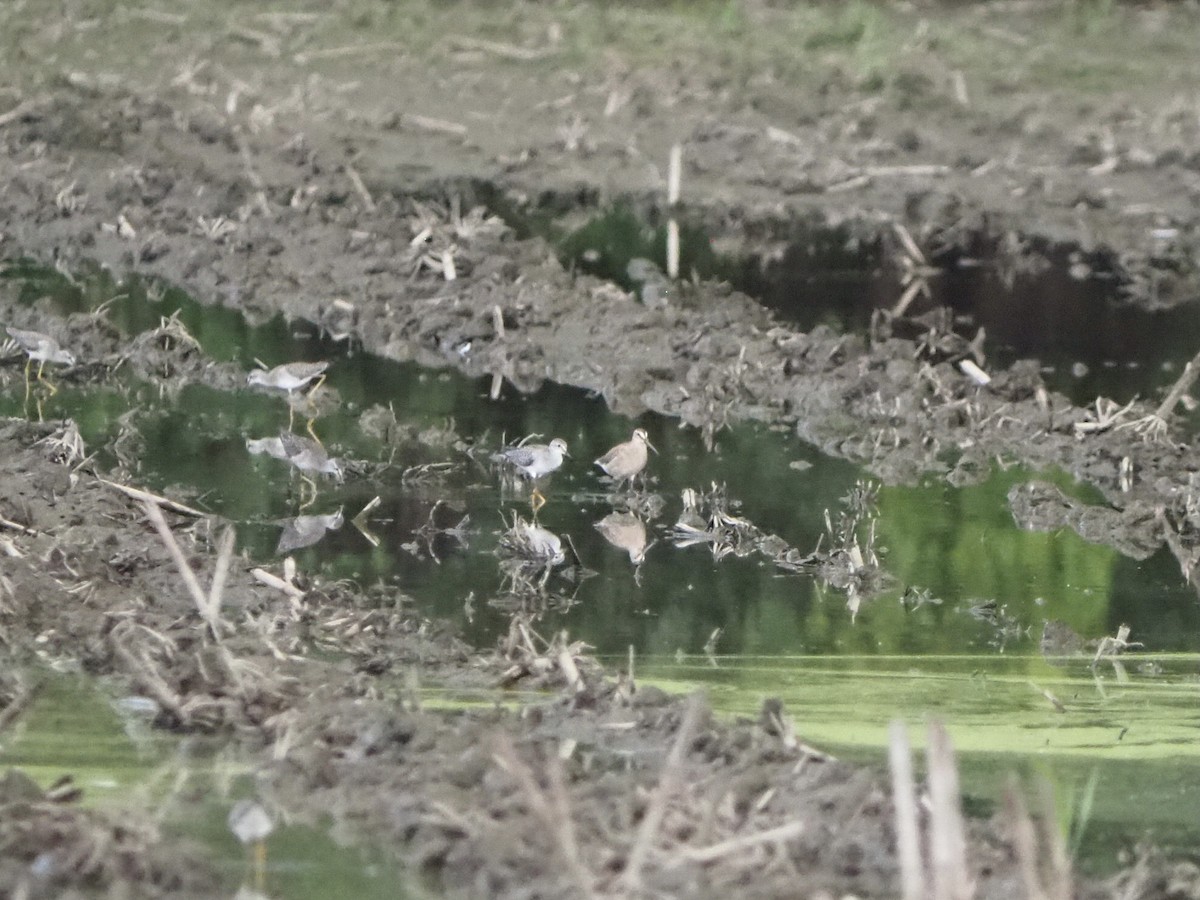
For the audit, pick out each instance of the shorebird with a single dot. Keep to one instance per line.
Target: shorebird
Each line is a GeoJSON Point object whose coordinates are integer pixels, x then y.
{"type": "Point", "coordinates": [251, 824]}
{"type": "Point", "coordinates": [626, 461]}
{"type": "Point", "coordinates": [535, 461]}
{"type": "Point", "coordinates": [627, 532]}
{"type": "Point", "coordinates": [304, 454]}
{"type": "Point", "coordinates": [304, 531]}
{"type": "Point", "coordinates": [44, 349]}
{"type": "Point", "coordinates": [292, 377]}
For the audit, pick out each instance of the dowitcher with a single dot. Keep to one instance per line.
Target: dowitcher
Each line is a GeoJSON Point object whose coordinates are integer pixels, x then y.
{"type": "Point", "coordinates": [626, 461]}
{"type": "Point", "coordinates": [535, 461]}
{"type": "Point", "coordinates": [290, 378]}
{"type": "Point", "coordinates": [627, 532]}
{"type": "Point", "coordinates": [44, 349]}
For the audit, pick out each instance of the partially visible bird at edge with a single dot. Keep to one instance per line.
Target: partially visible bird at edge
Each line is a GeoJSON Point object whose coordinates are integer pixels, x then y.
{"type": "Point", "coordinates": [44, 349]}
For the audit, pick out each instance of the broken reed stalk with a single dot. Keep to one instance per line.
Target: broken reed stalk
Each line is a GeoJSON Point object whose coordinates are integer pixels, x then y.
{"type": "Point", "coordinates": [1032, 863]}
{"type": "Point", "coordinates": [1182, 385]}
{"type": "Point", "coordinates": [204, 606]}
{"type": "Point", "coordinates": [668, 783]}
{"type": "Point", "coordinates": [146, 496]}
{"type": "Point", "coordinates": [554, 811]}
{"type": "Point", "coordinates": [1058, 866]}
{"type": "Point", "coordinates": [780, 833]}
{"type": "Point", "coordinates": [674, 180]}
{"type": "Point", "coordinates": [904, 798]}
{"type": "Point", "coordinates": [1024, 838]}
{"type": "Point", "coordinates": [947, 842]}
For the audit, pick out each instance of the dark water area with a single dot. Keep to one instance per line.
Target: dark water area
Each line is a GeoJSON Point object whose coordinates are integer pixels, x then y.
{"type": "Point", "coordinates": [954, 630]}
{"type": "Point", "coordinates": [1060, 307]}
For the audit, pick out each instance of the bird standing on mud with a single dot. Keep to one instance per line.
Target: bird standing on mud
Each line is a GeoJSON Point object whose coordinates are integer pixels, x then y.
{"type": "Point", "coordinates": [626, 461]}
{"type": "Point", "coordinates": [533, 462]}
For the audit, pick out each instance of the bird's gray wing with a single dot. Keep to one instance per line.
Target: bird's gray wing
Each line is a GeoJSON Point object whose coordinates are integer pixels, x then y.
{"type": "Point", "coordinates": [519, 456]}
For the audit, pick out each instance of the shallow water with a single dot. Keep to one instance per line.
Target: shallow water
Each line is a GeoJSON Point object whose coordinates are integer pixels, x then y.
{"type": "Point", "coordinates": [1069, 314]}
{"type": "Point", "coordinates": [955, 633]}
{"type": "Point", "coordinates": [111, 752]}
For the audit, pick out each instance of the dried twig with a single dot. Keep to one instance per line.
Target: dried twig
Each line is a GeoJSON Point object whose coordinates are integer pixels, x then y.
{"type": "Point", "coordinates": [908, 829]}
{"type": "Point", "coordinates": [736, 845]}
{"type": "Point", "coordinates": [147, 497]}
{"type": "Point", "coordinates": [210, 614]}
{"type": "Point", "coordinates": [553, 811]}
{"type": "Point", "coordinates": [668, 783]}
{"type": "Point", "coordinates": [948, 847]}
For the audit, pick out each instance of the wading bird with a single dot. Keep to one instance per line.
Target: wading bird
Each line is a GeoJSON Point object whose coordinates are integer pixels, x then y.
{"type": "Point", "coordinates": [626, 461]}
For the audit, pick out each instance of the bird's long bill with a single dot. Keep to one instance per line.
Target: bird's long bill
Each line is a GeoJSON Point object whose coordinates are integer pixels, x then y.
{"type": "Point", "coordinates": [651, 446]}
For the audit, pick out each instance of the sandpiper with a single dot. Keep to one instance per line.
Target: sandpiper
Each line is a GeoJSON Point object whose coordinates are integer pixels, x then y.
{"type": "Point", "coordinates": [251, 824]}
{"type": "Point", "coordinates": [535, 461]}
{"type": "Point", "coordinates": [304, 531]}
{"type": "Point", "coordinates": [44, 349]}
{"type": "Point", "coordinates": [626, 461]}
{"type": "Point", "coordinates": [302, 453]}
{"type": "Point", "coordinates": [291, 377]}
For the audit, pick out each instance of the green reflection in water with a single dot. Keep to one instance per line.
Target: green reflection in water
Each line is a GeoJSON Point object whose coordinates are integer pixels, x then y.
{"type": "Point", "coordinates": [993, 584]}
{"type": "Point", "coordinates": [121, 763]}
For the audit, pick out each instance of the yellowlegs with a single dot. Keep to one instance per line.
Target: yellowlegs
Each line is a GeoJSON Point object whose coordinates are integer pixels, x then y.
{"type": "Point", "coordinates": [44, 349]}
{"type": "Point", "coordinates": [251, 824]}
{"type": "Point", "coordinates": [535, 461]}
{"type": "Point", "coordinates": [304, 454]}
{"type": "Point", "coordinates": [304, 531]}
{"type": "Point", "coordinates": [291, 377]}
{"type": "Point", "coordinates": [626, 461]}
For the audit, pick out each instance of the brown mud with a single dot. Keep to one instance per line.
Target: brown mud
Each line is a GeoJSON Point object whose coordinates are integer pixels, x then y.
{"type": "Point", "coordinates": [242, 157]}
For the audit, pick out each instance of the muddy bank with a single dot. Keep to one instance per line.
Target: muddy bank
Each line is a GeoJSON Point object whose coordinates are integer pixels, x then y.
{"type": "Point", "coordinates": [222, 213]}
{"type": "Point", "coordinates": [549, 795]}
{"type": "Point", "coordinates": [233, 183]}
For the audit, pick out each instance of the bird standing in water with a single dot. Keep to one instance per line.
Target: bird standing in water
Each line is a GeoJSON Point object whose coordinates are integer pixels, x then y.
{"type": "Point", "coordinates": [44, 349]}
{"type": "Point", "coordinates": [626, 461]}
{"type": "Point", "coordinates": [535, 461]}
{"type": "Point", "coordinates": [292, 377]}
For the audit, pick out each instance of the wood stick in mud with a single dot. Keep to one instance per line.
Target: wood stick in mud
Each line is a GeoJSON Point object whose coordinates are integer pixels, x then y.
{"type": "Point", "coordinates": [15, 526]}
{"type": "Point", "coordinates": [668, 784]}
{"type": "Point", "coordinates": [713, 852]}
{"type": "Point", "coordinates": [210, 616]}
{"type": "Point", "coordinates": [1182, 385]}
{"type": "Point", "coordinates": [904, 798]}
{"type": "Point", "coordinates": [356, 180]}
{"type": "Point", "coordinates": [146, 496]}
{"type": "Point", "coordinates": [947, 841]}
{"type": "Point", "coordinates": [554, 812]}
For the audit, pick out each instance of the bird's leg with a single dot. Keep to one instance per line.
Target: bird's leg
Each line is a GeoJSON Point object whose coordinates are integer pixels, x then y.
{"type": "Point", "coordinates": [536, 500]}
{"type": "Point", "coordinates": [313, 487]}
{"type": "Point", "coordinates": [260, 865]}
{"type": "Point", "coordinates": [291, 413]}
{"type": "Point", "coordinates": [41, 366]}
{"type": "Point", "coordinates": [28, 365]}
{"type": "Point", "coordinates": [316, 385]}
{"type": "Point", "coordinates": [313, 433]}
